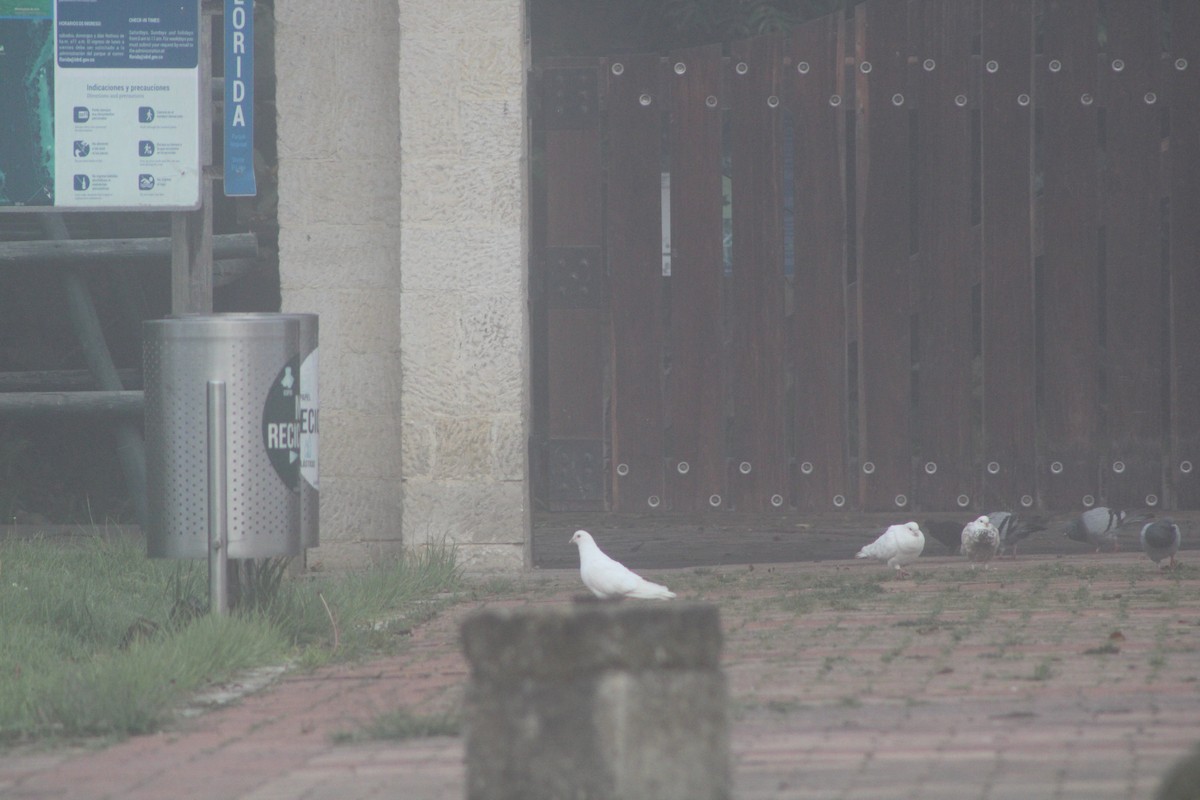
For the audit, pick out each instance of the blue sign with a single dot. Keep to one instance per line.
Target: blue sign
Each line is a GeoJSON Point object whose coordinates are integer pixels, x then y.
{"type": "Point", "coordinates": [239, 99]}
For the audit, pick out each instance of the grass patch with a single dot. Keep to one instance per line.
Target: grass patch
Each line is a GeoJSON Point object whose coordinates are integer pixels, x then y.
{"type": "Point", "coordinates": [99, 640]}
{"type": "Point", "coordinates": [839, 592]}
{"type": "Point", "coordinates": [402, 724]}
{"type": "Point", "coordinates": [1044, 671]}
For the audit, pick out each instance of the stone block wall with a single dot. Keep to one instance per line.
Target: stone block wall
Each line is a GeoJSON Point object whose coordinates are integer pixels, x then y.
{"type": "Point", "coordinates": [402, 224]}
{"type": "Point", "coordinates": [463, 325]}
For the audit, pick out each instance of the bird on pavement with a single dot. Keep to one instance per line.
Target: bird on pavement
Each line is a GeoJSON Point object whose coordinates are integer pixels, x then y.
{"type": "Point", "coordinates": [980, 541]}
{"type": "Point", "coordinates": [607, 578]}
{"type": "Point", "coordinates": [1100, 526]}
{"type": "Point", "coordinates": [1160, 539]}
{"type": "Point", "coordinates": [1014, 529]}
{"type": "Point", "coordinates": [897, 546]}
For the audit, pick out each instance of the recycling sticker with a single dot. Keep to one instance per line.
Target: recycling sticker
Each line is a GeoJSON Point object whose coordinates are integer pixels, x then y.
{"type": "Point", "coordinates": [281, 424]}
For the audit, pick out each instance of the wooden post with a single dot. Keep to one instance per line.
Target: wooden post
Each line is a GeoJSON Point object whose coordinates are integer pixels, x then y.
{"type": "Point", "coordinates": [191, 231]}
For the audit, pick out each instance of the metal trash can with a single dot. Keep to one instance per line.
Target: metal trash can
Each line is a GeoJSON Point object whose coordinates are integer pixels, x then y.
{"type": "Point", "coordinates": [310, 427]}
{"type": "Point", "coordinates": [257, 355]}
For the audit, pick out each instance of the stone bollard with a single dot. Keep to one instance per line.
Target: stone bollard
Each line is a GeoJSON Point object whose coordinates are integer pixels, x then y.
{"type": "Point", "coordinates": [597, 701]}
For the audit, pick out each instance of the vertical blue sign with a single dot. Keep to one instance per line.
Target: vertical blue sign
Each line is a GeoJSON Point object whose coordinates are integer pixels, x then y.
{"type": "Point", "coordinates": [239, 99]}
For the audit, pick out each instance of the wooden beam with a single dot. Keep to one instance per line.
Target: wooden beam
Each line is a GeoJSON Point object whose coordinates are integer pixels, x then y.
{"type": "Point", "coordinates": [232, 270]}
{"type": "Point", "coordinates": [120, 403]}
{"type": "Point", "coordinates": [96, 252]}
{"type": "Point", "coordinates": [62, 380]}
{"type": "Point", "coordinates": [86, 322]}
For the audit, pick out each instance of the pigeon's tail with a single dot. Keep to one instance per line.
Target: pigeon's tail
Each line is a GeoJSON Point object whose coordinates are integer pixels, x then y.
{"type": "Point", "coordinates": [1139, 517]}
{"type": "Point", "coordinates": [947, 532]}
{"type": "Point", "coordinates": [651, 591]}
{"type": "Point", "coordinates": [1160, 534]}
{"type": "Point", "coordinates": [878, 550]}
{"type": "Point", "coordinates": [1033, 525]}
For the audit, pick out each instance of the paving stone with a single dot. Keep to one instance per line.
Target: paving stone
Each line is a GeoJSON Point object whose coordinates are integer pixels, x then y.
{"type": "Point", "coordinates": [848, 702]}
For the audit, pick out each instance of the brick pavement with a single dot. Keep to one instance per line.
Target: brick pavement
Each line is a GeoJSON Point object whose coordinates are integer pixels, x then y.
{"type": "Point", "coordinates": [1031, 679]}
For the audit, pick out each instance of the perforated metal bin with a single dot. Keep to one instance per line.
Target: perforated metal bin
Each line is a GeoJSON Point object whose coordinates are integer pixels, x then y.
{"type": "Point", "coordinates": [258, 358]}
{"type": "Point", "coordinates": [310, 407]}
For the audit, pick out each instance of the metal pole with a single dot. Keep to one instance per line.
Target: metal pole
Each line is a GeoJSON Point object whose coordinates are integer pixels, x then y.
{"type": "Point", "coordinates": [218, 520]}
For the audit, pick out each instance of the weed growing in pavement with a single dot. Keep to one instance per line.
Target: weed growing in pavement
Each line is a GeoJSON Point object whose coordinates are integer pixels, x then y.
{"type": "Point", "coordinates": [402, 724]}
{"type": "Point", "coordinates": [1107, 648]}
{"type": "Point", "coordinates": [829, 663]}
{"type": "Point", "coordinates": [1158, 657]}
{"type": "Point", "coordinates": [1044, 671]}
{"type": "Point", "coordinates": [839, 592]}
{"type": "Point", "coordinates": [783, 706]}
{"type": "Point", "coordinates": [100, 640]}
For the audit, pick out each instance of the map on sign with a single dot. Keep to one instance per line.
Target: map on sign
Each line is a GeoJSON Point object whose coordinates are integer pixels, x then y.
{"type": "Point", "coordinates": [99, 104]}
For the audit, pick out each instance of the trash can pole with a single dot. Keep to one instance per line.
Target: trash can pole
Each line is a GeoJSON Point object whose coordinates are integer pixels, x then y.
{"type": "Point", "coordinates": [218, 520]}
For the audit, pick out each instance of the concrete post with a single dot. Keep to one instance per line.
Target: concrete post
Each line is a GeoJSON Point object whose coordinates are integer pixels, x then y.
{"type": "Point", "coordinates": [599, 700]}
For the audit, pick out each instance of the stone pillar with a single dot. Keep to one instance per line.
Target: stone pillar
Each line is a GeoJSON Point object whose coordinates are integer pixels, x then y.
{"type": "Point", "coordinates": [464, 328]}
{"type": "Point", "coordinates": [599, 700]}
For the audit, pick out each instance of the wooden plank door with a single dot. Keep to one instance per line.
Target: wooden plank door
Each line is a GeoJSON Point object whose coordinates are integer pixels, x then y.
{"type": "Point", "coordinates": [573, 281]}
{"type": "Point", "coordinates": [695, 373]}
{"type": "Point", "coordinates": [758, 368]}
{"type": "Point", "coordinates": [819, 345]}
{"type": "Point", "coordinates": [1135, 308]}
{"type": "Point", "coordinates": [883, 249]}
{"type": "Point", "coordinates": [1068, 290]}
{"type": "Point", "coordinates": [1009, 374]}
{"type": "Point", "coordinates": [634, 236]}
{"type": "Point", "coordinates": [946, 411]}
{"type": "Point", "coordinates": [1183, 466]}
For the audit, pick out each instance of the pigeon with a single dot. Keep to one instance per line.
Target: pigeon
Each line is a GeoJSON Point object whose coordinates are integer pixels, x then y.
{"type": "Point", "coordinates": [897, 546]}
{"type": "Point", "coordinates": [1014, 529]}
{"type": "Point", "coordinates": [980, 541]}
{"type": "Point", "coordinates": [607, 578]}
{"type": "Point", "coordinates": [947, 532]}
{"type": "Point", "coordinates": [1100, 526]}
{"type": "Point", "coordinates": [1160, 539]}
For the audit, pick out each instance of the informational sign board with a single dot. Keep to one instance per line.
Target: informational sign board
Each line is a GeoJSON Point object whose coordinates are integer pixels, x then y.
{"type": "Point", "coordinates": [100, 105]}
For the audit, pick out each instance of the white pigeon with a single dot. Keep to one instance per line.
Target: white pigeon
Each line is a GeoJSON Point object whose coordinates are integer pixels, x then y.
{"type": "Point", "coordinates": [607, 578]}
{"type": "Point", "coordinates": [1160, 539]}
{"type": "Point", "coordinates": [897, 546]}
{"type": "Point", "coordinates": [980, 541]}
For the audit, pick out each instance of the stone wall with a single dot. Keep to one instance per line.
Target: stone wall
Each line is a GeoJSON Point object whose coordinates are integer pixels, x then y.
{"type": "Point", "coordinates": [463, 326]}
{"type": "Point", "coordinates": [402, 224]}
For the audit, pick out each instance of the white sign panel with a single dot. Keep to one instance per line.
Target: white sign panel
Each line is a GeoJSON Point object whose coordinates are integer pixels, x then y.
{"type": "Point", "coordinates": [123, 87]}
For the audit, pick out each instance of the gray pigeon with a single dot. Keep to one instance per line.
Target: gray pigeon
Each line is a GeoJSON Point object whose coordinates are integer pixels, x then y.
{"type": "Point", "coordinates": [980, 541]}
{"type": "Point", "coordinates": [1014, 529]}
{"type": "Point", "coordinates": [1100, 526]}
{"type": "Point", "coordinates": [1160, 539]}
{"type": "Point", "coordinates": [948, 532]}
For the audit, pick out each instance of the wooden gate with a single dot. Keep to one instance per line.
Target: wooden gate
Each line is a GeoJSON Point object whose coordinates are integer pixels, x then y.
{"type": "Point", "coordinates": [939, 255]}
